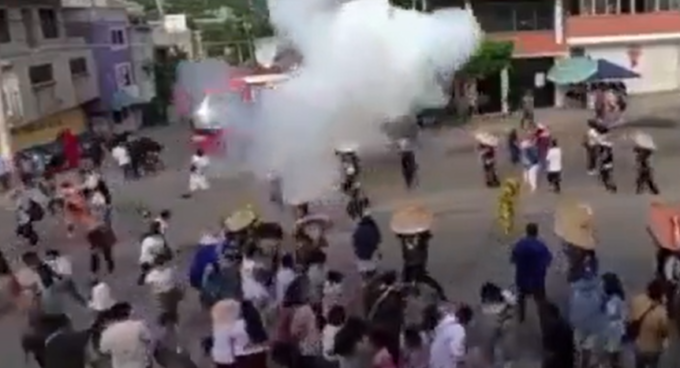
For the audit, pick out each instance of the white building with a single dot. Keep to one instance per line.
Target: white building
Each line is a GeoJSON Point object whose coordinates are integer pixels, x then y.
{"type": "Point", "coordinates": [45, 75]}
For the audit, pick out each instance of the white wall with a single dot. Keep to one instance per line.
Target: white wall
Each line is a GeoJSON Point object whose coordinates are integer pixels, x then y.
{"type": "Point", "coordinates": [143, 55]}
{"type": "Point", "coordinates": [658, 65]}
{"type": "Point", "coordinates": [66, 92]}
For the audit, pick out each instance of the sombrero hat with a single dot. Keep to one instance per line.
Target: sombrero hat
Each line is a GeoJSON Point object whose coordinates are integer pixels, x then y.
{"type": "Point", "coordinates": [574, 224]}
{"type": "Point", "coordinates": [643, 140]}
{"type": "Point", "coordinates": [486, 139]}
{"type": "Point", "coordinates": [240, 220]}
{"type": "Point", "coordinates": [664, 225]}
{"type": "Point", "coordinates": [411, 219]}
{"type": "Point", "coordinates": [346, 148]}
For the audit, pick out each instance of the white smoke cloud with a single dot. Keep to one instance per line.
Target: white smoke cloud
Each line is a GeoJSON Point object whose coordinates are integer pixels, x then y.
{"type": "Point", "coordinates": [364, 63]}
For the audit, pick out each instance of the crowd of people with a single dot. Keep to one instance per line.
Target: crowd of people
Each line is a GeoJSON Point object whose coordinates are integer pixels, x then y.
{"type": "Point", "coordinates": [273, 299]}
{"type": "Point", "coordinates": [538, 152]}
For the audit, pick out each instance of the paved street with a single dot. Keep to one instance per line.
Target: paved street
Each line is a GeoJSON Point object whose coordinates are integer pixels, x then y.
{"type": "Point", "coordinates": [466, 249]}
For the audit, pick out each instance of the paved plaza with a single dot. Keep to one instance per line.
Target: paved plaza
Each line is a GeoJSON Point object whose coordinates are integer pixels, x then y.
{"type": "Point", "coordinates": [466, 251]}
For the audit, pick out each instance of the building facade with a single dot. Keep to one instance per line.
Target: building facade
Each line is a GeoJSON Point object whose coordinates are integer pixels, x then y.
{"type": "Point", "coordinates": [46, 76]}
{"type": "Point", "coordinates": [640, 35]}
{"type": "Point", "coordinates": [105, 26]}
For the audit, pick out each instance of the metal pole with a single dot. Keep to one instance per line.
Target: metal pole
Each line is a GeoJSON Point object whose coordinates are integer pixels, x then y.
{"type": "Point", "coordinates": [5, 142]}
{"type": "Point", "coordinates": [159, 7]}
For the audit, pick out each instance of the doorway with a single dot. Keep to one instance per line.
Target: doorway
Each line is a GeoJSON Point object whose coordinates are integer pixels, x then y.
{"type": "Point", "coordinates": [530, 74]}
{"type": "Point", "coordinates": [489, 94]}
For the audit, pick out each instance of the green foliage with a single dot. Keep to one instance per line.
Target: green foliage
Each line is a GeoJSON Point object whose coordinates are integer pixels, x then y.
{"type": "Point", "coordinates": [491, 57]}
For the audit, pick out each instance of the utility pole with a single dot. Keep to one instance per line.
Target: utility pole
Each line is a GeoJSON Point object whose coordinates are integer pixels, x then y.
{"type": "Point", "coordinates": [159, 7]}
{"type": "Point", "coordinates": [5, 142]}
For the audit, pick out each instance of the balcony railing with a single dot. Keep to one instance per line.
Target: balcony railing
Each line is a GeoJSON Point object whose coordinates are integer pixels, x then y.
{"type": "Point", "coordinates": [514, 17]}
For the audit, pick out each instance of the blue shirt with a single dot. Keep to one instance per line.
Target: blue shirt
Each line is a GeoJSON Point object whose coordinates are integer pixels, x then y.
{"type": "Point", "coordinates": [531, 258]}
{"type": "Point", "coordinates": [530, 156]}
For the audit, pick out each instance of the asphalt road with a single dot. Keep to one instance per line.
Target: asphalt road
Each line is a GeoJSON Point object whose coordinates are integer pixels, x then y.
{"type": "Point", "coordinates": [467, 249]}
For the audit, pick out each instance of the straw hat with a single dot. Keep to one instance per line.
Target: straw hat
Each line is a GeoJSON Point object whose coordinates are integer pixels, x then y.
{"type": "Point", "coordinates": [486, 139]}
{"type": "Point", "coordinates": [346, 147]}
{"type": "Point", "coordinates": [574, 224]}
{"type": "Point", "coordinates": [240, 220]}
{"type": "Point", "coordinates": [643, 140]}
{"type": "Point", "coordinates": [102, 298]}
{"type": "Point", "coordinates": [411, 219]}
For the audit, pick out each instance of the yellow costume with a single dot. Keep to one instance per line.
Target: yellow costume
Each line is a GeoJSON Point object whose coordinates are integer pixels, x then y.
{"type": "Point", "coordinates": [507, 204]}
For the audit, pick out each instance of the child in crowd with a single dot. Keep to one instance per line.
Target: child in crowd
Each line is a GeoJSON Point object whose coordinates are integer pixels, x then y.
{"type": "Point", "coordinates": [336, 318]}
{"type": "Point", "coordinates": [332, 292]}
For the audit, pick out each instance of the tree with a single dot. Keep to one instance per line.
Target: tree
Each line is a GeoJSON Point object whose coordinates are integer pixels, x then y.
{"type": "Point", "coordinates": [491, 57]}
{"type": "Point", "coordinates": [165, 74]}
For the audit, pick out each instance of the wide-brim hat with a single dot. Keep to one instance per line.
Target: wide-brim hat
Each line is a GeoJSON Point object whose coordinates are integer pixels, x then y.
{"type": "Point", "coordinates": [346, 147]}
{"type": "Point", "coordinates": [486, 139]}
{"type": "Point", "coordinates": [240, 220]}
{"type": "Point", "coordinates": [317, 220]}
{"type": "Point", "coordinates": [411, 219]}
{"type": "Point", "coordinates": [644, 141]}
{"type": "Point", "coordinates": [663, 225]}
{"type": "Point", "coordinates": [574, 224]}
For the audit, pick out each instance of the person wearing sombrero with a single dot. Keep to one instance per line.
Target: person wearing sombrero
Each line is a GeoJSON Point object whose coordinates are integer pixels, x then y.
{"type": "Point", "coordinates": [349, 164]}
{"type": "Point", "coordinates": [487, 153]}
{"type": "Point", "coordinates": [239, 228]}
{"type": "Point", "coordinates": [606, 165]}
{"type": "Point", "coordinates": [644, 178]}
{"type": "Point", "coordinates": [412, 226]}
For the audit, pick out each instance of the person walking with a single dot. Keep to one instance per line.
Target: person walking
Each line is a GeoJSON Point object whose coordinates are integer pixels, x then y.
{"type": "Point", "coordinates": [531, 258]}
{"type": "Point", "coordinates": [530, 163]}
{"type": "Point", "coordinates": [648, 313]}
{"type": "Point", "coordinates": [554, 166]}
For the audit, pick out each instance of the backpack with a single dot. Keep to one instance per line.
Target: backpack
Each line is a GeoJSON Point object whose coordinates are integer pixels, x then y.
{"type": "Point", "coordinates": [633, 327]}
{"type": "Point", "coordinates": [35, 211]}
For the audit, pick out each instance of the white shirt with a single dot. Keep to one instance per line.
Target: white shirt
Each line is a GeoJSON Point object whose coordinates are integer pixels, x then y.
{"type": "Point", "coordinates": [328, 342]}
{"type": "Point", "coordinates": [242, 344]}
{"type": "Point", "coordinates": [222, 351]}
{"type": "Point", "coordinates": [61, 265]}
{"type": "Point", "coordinates": [98, 199]}
{"type": "Point", "coordinates": [200, 162]}
{"type": "Point", "coordinates": [161, 280]}
{"type": "Point", "coordinates": [128, 343]}
{"type": "Point", "coordinates": [121, 155]}
{"type": "Point", "coordinates": [593, 137]}
{"type": "Point", "coordinates": [284, 277]}
{"type": "Point", "coordinates": [150, 248]}
{"type": "Point", "coordinates": [448, 346]}
{"type": "Point", "coordinates": [91, 181]}
{"type": "Point", "coordinates": [554, 159]}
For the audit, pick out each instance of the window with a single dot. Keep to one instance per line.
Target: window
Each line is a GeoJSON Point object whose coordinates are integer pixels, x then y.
{"type": "Point", "coordinates": [601, 7]}
{"type": "Point", "coordinates": [118, 38]}
{"type": "Point", "coordinates": [665, 5]}
{"type": "Point", "coordinates": [78, 66]}
{"type": "Point", "coordinates": [40, 74]}
{"type": "Point", "coordinates": [49, 23]}
{"type": "Point", "coordinates": [5, 36]}
{"type": "Point", "coordinates": [124, 75]}
{"type": "Point", "coordinates": [525, 16]}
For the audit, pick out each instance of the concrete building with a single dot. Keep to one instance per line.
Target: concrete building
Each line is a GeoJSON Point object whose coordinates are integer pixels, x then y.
{"type": "Point", "coordinates": [46, 76]}
{"type": "Point", "coordinates": [104, 24]}
{"type": "Point", "coordinates": [640, 35]}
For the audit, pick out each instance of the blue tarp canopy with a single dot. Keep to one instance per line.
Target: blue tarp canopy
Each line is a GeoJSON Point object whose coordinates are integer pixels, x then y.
{"type": "Point", "coordinates": [606, 70]}
{"type": "Point", "coordinates": [122, 99]}
{"type": "Point", "coordinates": [584, 69]}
